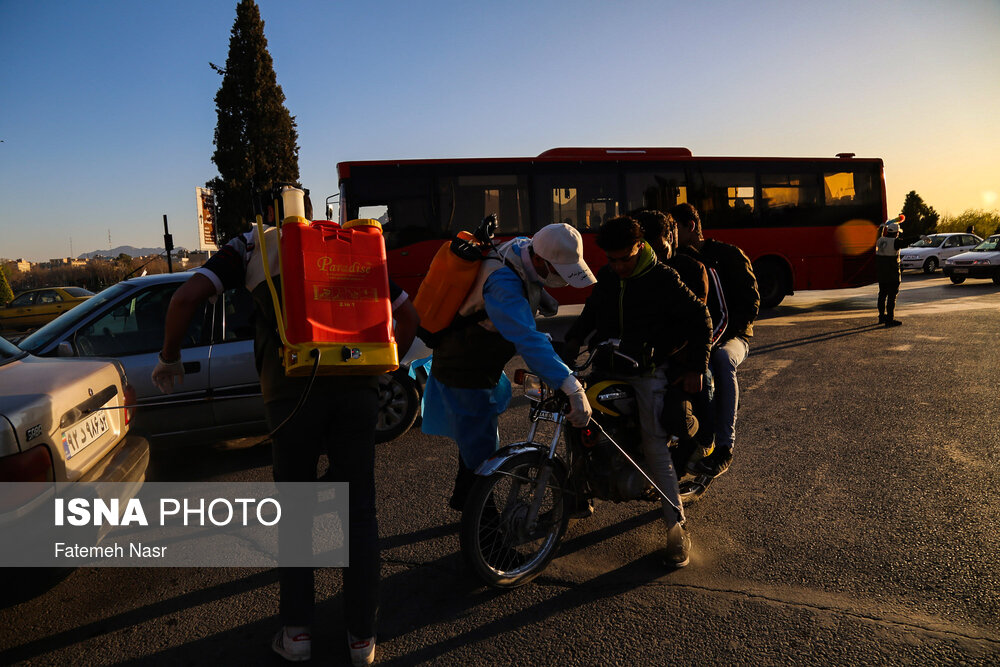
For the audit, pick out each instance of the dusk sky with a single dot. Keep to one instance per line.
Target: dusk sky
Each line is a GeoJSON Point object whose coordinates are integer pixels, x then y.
{"type": "Point", "coordinates": [108, 107]}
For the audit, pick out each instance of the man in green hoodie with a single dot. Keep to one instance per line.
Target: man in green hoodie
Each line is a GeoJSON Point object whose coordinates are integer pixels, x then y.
{"type": "Point", "coordinates": [661, 324]}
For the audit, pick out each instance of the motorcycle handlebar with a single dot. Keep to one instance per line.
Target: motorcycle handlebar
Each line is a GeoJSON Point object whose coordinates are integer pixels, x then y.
{"type": "Point", "coordinates": [610, 343]}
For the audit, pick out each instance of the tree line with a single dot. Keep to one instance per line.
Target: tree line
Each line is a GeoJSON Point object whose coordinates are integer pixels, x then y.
{"type": "Point", "coordinates": [922, 219]}
{"type": "Point", "coordinates": [97, 275]}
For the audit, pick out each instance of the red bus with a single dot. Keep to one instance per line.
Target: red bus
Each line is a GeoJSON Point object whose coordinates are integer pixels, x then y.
{"type": "Point", "coordinates": [806, 223]}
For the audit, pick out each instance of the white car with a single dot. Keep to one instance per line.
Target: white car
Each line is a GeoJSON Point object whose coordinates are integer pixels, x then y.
{"type": "Point", "coordinates": [64, 425]}
{"type": "Point", "coordinates": [930, 252]}
{"type": "Point", "coordinates": [983, 261]}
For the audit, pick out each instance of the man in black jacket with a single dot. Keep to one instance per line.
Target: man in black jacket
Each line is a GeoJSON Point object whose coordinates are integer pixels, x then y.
{"type": "Point", "coordinates": [661, 324]}
{"type": "Point", "coordinates": [739, 286]}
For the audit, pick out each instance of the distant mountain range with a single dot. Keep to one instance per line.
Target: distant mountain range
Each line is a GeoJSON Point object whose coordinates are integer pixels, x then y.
{"type": "Point", "coordinates": [131, 251]}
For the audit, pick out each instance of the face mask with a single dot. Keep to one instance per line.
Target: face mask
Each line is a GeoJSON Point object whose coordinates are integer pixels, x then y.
{"type": "Point", "coordinates": [554, 280]}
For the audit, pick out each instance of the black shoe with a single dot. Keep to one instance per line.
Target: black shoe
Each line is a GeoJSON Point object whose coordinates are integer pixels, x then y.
{"type": "Point", "coordinates": [678, 551]}
{"type": "Point", "coordinates": [582, 510]}
{"type": "Point", "coordinates": [892, 323]}
{"type": "Point", "coordinates": [692, 489]}
{"type": "Point", "coordinates": [714, 464]}
{"type": "Point", "coordinates": [881, 318]}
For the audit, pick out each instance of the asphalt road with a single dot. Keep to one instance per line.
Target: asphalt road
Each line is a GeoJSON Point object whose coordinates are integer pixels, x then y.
{"type": "Point", "coordinates": [858, 524]}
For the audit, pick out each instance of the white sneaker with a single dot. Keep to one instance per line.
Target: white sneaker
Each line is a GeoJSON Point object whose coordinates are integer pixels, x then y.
{"type": "Point", "coordinates": [362, 650]}
{"type": "Point", "coordinates": [293, 649]}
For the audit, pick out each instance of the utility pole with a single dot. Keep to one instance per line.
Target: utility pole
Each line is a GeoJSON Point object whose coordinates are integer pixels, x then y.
{"type": "Point", "coordinates": [168, 242]}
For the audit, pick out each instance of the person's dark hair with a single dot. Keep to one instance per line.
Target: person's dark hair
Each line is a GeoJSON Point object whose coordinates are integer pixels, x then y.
{"type": "Point", "coordinates": [618, 233]}
{"type": "Point", "coordinates": [685, 214]}
{"type": "Point", "coordinates": [654, 223]}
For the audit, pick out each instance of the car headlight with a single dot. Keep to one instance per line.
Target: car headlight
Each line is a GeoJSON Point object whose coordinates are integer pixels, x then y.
{"type": "Point", "coordinates": [981, 262]}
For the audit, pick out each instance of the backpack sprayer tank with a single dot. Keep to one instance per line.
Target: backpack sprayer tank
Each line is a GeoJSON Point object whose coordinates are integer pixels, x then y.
{"type": "Point", "coordinates": [335, 294]}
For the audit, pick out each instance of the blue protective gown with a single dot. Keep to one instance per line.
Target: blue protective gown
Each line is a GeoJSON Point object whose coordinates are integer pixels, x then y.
{"type": "Point", "coordinates": [469, 416]}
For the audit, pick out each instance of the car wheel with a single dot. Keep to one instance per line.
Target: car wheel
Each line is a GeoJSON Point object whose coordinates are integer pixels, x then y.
{"type": "Point", "coordinates": [958, 280]}
{"type": "Point", "coordinates": [996, 278]}
{"type": "Point", "coordinates": [931, 265]}
{"type": "Point", "coordinates": [399, 403]}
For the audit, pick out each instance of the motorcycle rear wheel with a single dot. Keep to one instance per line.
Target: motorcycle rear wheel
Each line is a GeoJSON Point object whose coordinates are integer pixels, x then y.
{"type": "Point", "coordinates": [499, 547]}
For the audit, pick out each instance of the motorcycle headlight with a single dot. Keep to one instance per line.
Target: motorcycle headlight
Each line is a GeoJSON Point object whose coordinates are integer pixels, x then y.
{"type": "Point", "coordinates": [533, 387]}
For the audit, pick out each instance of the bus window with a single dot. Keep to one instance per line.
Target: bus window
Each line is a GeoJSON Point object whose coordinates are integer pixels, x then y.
{"type": "Point", "coordinates": [379, 212]}
{"type": "Point", "coordinates": [659, 191]}
{"type": "Point", "coordinates": [848, 188]}
{"type": "Point", "coordinates": [583, 200]}
{"type": "Point", "coordinates": [465, 200]}
{"type": "Point", "coordinates": [790, 199]}
{"type": "Point", "coordinates": [404, 221]}
{"type": "Point", "coordinates": [780, 191]}
{"type": "Point", "coordinates": [726, 199]}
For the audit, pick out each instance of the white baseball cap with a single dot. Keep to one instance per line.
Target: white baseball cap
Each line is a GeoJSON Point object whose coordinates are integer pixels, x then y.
{"type": "Point", "coordinates": [562, 247]}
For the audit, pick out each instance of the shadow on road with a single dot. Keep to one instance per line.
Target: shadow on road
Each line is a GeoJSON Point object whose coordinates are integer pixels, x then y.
{"type": "Point", "coordinates": [175, 464]}
{"type": "Point", "coordinates": [449, 591]}
{"type": "Point", "coordinates": [186, 654]}
{"type": "Point", "coordinates": [815, 338]}
{"type": "Point", "coordinates": [630, 576]}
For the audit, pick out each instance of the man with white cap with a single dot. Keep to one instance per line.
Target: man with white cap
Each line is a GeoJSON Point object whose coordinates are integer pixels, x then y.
{"type": "Point", "coordinates": [466, 389]}
{"type": "Point", "coordinates": [887, 269]}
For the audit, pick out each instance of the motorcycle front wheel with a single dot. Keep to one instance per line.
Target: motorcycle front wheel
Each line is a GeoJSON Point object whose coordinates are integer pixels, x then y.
{"type": "Point", "coordinates": [499, 543]}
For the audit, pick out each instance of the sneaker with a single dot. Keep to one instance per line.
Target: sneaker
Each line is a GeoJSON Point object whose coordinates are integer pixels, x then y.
{"type": "Point", "coordinates": [362, 650]}
{"type": "Point", "coordinates": [678, 551]}
{"type": "Point", "coordinates": [892, 323]}
{"type": "Point", "coordinates": [714, 464]}
{"type": "Point", "coordinates": [293, 649]}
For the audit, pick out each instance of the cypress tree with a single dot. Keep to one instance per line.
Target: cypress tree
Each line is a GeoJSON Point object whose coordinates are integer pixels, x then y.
{"type": "Point", "coordinates": [920, 218]}
{"type": "Point", "coordinates": [256, 144]}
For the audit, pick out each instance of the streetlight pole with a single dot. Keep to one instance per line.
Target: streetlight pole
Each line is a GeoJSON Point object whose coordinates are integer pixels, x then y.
{"type": "Point", "coordinates": [168, 242]}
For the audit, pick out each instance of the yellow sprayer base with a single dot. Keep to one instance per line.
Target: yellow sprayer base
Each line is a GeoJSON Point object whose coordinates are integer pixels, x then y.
{"type": "Point", "coordinates": [341, 359]}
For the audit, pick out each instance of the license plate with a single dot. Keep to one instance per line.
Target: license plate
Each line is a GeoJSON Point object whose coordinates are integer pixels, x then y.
{"type": "Point", "coordinates": [83, 433]}
{"type": "Point", "coordinates": [961, 270]}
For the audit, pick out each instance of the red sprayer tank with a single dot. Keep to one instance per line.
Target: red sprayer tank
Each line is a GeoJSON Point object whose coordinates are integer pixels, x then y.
{"type": "Point", "coordinates": [335, 288]}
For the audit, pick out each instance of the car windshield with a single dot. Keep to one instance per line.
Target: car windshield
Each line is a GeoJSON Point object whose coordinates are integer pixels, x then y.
{"type": "Point", "coordinates": [9, 352]}
{"type": "Point", "coordinates": [57, 327]}
{"type": "Point", "coordinates": [989, 245]}
{"type": "Point", "coordinates": [929, 242]}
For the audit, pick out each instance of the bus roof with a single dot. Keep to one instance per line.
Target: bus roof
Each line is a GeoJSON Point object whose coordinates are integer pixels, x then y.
{"type": "Point", "coordinates": [594, 154]}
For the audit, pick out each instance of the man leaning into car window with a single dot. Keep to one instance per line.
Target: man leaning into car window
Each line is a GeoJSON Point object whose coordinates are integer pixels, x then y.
{"type": "Point", "coordinates": [341, 408]}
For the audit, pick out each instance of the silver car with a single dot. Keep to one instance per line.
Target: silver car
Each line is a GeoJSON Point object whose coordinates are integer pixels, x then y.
{"type": "Point", "coordinates": [64, 420]}
{"type": "Point", "coordinates": [931, 252]}
{"type": "Point", "coordinates": [220, 396]}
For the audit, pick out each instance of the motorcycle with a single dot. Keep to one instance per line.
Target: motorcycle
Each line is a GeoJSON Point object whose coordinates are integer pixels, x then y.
{"type": "Point", "coordinates": [518, 509]}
